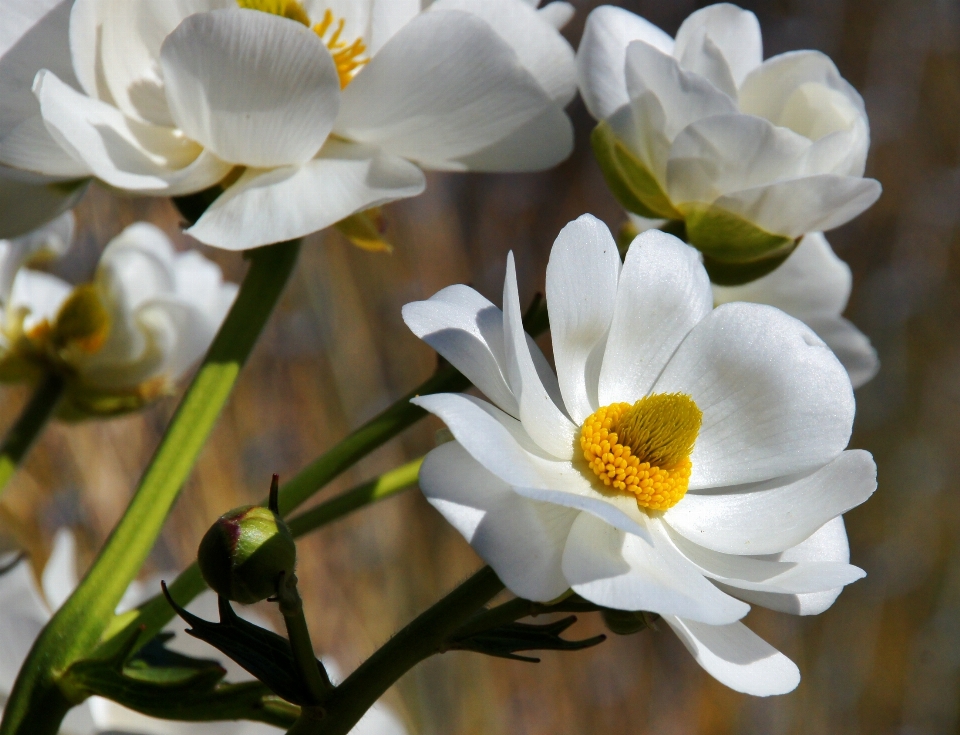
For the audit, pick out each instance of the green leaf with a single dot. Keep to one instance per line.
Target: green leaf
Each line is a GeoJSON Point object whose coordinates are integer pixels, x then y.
{"type": "Point", "coordinates": [263, 653]}
{"type": "Point", "coordinates": [505, 640]}
{"type": "Point", "coordinates": [633, 185]}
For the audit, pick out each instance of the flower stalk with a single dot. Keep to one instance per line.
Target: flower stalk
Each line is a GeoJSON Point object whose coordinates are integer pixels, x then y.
{"type": "Point", "coordinates": [79, 624]}
{"type": "Point", "coordinates": [311, 671]}
{"type": "Point", "coordinates": [34, 417]}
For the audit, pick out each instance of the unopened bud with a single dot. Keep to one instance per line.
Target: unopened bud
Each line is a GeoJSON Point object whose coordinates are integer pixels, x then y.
{"type": "Point", "coordinates": [244, 553]}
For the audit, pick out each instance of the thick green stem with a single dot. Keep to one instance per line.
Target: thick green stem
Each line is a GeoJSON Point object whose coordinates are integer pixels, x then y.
{"type": "Point", "coordinates": [78, 625]}
{"type": "Point", "coordinates": [30, 423]}
{"type": "Point", "coordinates": [313, 675]}
{"type": "Point", "coordinates": [420, 639]}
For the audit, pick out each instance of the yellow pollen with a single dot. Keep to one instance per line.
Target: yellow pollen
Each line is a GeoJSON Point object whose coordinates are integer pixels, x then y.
{"type": "Point", "coordinates": [644, 449]}
{"type": "Point", "coordinates": [348, 57]}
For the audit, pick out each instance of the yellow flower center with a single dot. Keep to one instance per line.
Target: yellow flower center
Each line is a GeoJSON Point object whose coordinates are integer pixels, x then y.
{"type": "Point", "coordinates": [644, 449]}
{"type": "Point", "coordinates": [348, 57]}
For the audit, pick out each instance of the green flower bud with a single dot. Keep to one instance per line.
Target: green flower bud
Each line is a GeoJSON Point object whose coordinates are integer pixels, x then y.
{"type": "Point", "coordinates": [243, 554]}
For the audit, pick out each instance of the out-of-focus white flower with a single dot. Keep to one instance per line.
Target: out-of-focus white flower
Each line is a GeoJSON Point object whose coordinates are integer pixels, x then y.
{"type": "Point", "coordinates": [749, 154]}
{"type": "Point", "coordinates": [127, 337]}
{"type": "Point", "coordinates": [306, 113]}
{"type": "Point", "coordinates": [681, 457]}
{"type": "Point", "coordinates": [24, 610]}
{"type": "Point", "coordinates": [34, 248]}
{"type": "Point", "coordinates": [814, 285]}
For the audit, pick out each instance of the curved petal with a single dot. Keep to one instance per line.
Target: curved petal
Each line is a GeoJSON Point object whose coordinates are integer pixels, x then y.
{"type": "Point", "coordinates": [521, 539]}
{"type": "Point", "coordinates": [829, 544]}
{"type": "Point", "coordinates": [461, 90]}
{"type": "Point", "coordinates": [767, 88]}
{"type": "Point", "coordinates": [851, 346]}
{"type": "Point", "coordinates": [721, 32]}
{"type": "Point", "coordinates": [503, 449]}
{"type": "Point", "coordinates": [796, 207]}
{"type": "Point", "coordinates": [59, 578]}
{"type": "Point", "coordinates": [738, 572]}
{"type": "Point", "coordinates": [685, 96]}
{"type": "Point", "coordinates": [813, 282]}
{"type": "Point", "coordinates": [623, 571]}
{"type": "Point", "coordinates": [542, 418]}
{"type": "Point", "coordinates": [263, 207]}
{"type": "Point", "coordinates": [120, 151]}
{"type": "Point", "coordinates": [539, 144]}
{"type": "Point", "coordinates": [773, 516]}
{"type": "Point", "coordinates": [30, 147]}
{"type": "Point", "coordinates": [50, 241]}
{"type": "Point", "coordinates": [737, 657]}
{"type": "Point", "coordinates": [467, 330]}
{"type": "Point", "coordinates": [602, 55]}
{"type": "Point", "coordinates": [727, 153]}
{"type": "Point", "coordinates": [130, 37]}
{"type": "Point", "coordinates": [775, 400]}
{"type": "Point", "coordinates": [254, 88]}
{"type": "Point", "coordinates": [40, 294]}
{"type": "Point", "coordinates": [557, 13]}
{"type": "Point", "coordinates": [582, 279]}
{"type": "Point", "coordinates": [663, 293]}
{"type": "Point", "coordinates": [539, 46]}
{"type": "Point", "coordinates": [28, 201]}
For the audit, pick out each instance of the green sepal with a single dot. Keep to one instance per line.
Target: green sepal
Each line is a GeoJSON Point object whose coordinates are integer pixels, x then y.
{"type": "Point", "coordinates": [627, 622]}
{"type": "Point", "coordinates": [266, 655]}
{"type": "Point", "coordinates": [737, 274]}
{"type": "Point", "coordinates": [505, 640]}
{"type": "Point", "coordinates": [629, 180]}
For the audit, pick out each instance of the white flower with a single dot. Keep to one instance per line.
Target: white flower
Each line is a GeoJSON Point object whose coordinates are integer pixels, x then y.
{"type": "Point", "coordinates": [751, 154]}
{"type": "Point", "coordinates": [128, 336]}
{"type": "Point", "coordinates": [170, 98]}
{"type": "Point", "coordinates": [24, 610]}
{"type": "Point", "coordinates": [736, 419]}
{"type": "Point", "coordinates": [814, 285]}
{"type": "Point", "coordinates": [45, 243]}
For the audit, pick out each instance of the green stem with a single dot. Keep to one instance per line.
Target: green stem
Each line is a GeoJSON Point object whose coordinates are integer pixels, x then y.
{"type": "Point", "coordinates": [420, 639]}
{"type": "Point", "coordinates": [30, 423]}
{"type": "Point", "coordinates": [78, 625]}
{"type": "Point", "coordinates": [312, 673]}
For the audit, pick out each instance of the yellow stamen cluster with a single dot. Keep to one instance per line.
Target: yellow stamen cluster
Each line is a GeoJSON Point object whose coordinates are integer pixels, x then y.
{"type": "Point", "coordinates": [348, 57]}
{"type": "Point", "coordinates": [644, 449]}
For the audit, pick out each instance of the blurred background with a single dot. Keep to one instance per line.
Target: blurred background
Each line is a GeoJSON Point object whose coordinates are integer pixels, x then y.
{"type": "Point", "coordinates": [884, 659]}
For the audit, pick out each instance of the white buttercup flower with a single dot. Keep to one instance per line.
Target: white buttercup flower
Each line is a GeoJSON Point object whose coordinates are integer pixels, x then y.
{"type": "Point", "coordinates": [749, 154]}
{"type": "Point", "coordinates": [126, 338]}
{"type": "Point", "coordinates": [305, 112]}
{"type": "Point", "coordinates": [814, 285]}
{"type": "Point", "coordinates": [681, 457]}
{"type": "Point", "coordinates": [25, 608]}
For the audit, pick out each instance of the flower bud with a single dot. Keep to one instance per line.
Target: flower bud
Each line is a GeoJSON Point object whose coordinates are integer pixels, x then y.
{"type": "Point", "coordinates": [243, 554]}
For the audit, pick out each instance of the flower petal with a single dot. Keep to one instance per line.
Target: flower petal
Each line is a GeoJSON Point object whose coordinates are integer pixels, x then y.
{"type": "Point", "coordinates": [828, 544]}
{"type": "Point", "coordinates": [663, 293]}
{"type": "Point", "coordinates": [685, 96]}
{"type": "Point", "coordinates": [123, 152]}
{"type": "Point", "coordinates": [28, 201]}
{"type": "Point", "coordinates": [462, 90]}
{"type": "Point", "coordinates": [557, 13]}
{"type": "Point", "coordinates": [263, 207]}
{"type": "Point", "coordinates": [541, 413]}
{"type": "Point", "coordinates": [851, 346]}
{"type": "Point", "coordinates": [773, 516]}
{"type": "Point", "coordinates": [521, 539]}
{"type": "Point", "coordinates": [467, 330]}
{"type": "Point", "coordinates": [727, 153]}
{"type": "Point", "coordinates": [602, 55]}
{"type": "Point", "coordinates": [59, 577]}
{"type": "Point", "coordinates": [627, 572]}
{"type": "Point", "coordinates": [739, 572]}
{"type": "Point", "coordinates": [254, 88]}
{"type": "Point", "coordinates": [737, 657]}
{"type": "Point", "coordinates": [796, 207]}
{"type": "Point", "coordinates": [774, 398]}
{"type": "Point", "coordinates": [539, 46]}
{"type": "Point", "coordinates": [539, 144]}
{"type": "Point", "coordinates": [41, 294]}
{"type": "Point", "coordinates": [499, 443]}
{"type": "Point", "coordinates": [812, 282]}
{"type": "Point", "coordinates": [582, 279]}
{"type": "Point", "coordinates": [726, 30]}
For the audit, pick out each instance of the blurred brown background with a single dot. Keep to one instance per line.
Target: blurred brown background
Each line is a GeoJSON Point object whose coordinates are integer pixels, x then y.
{"type": "Point", "coordinates": [884, 659]}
